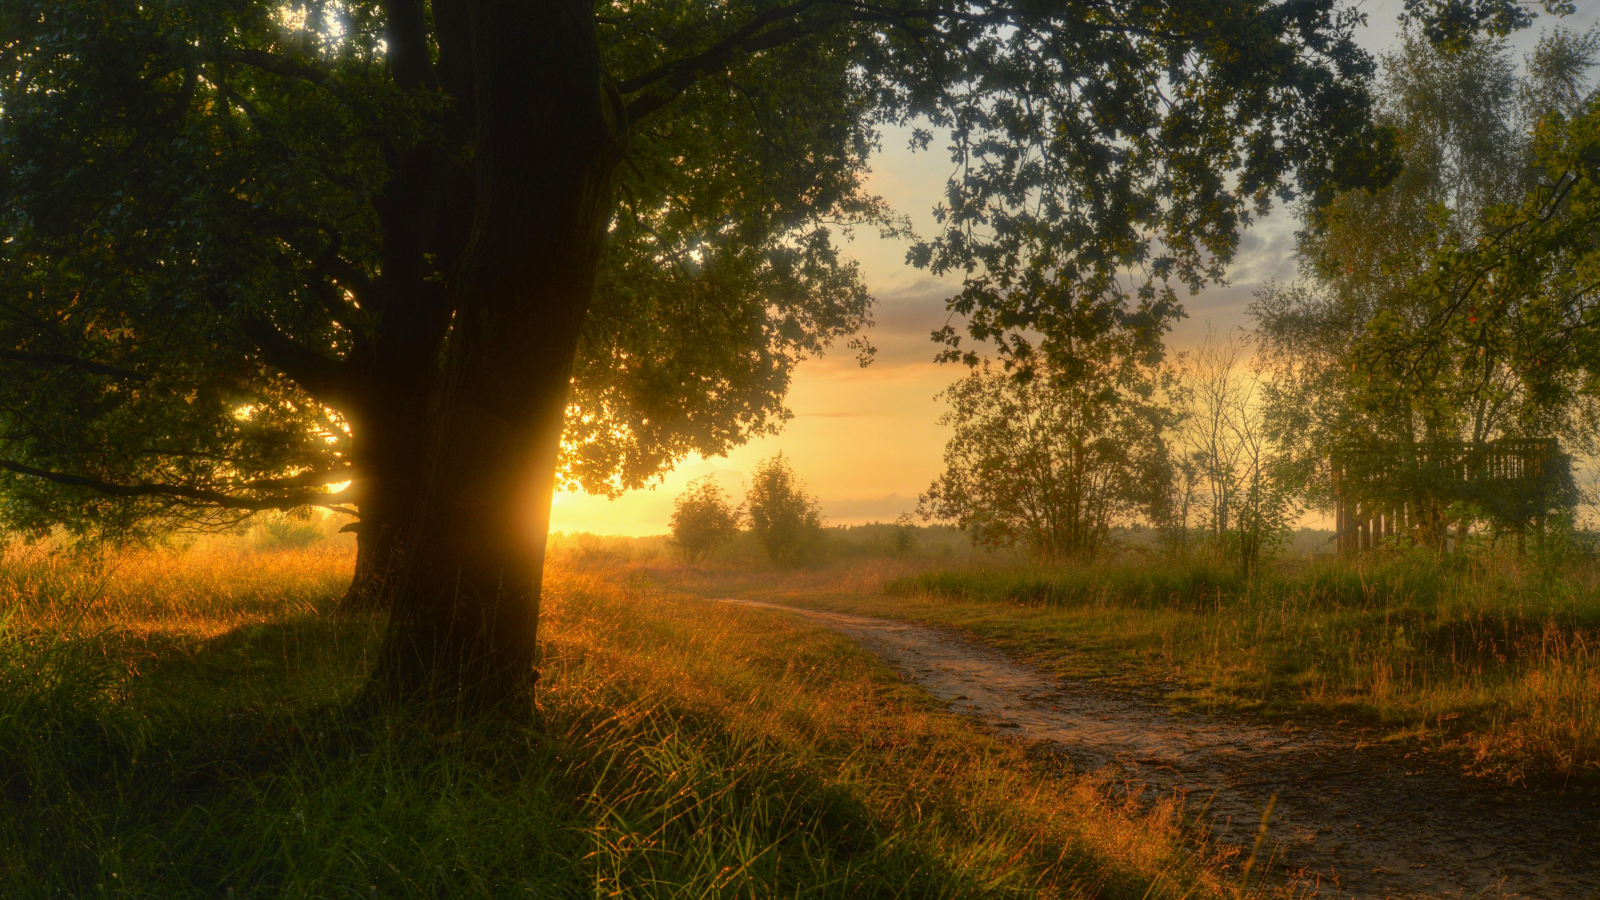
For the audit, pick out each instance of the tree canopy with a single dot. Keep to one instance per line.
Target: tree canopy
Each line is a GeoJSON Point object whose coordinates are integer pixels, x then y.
{"type": "Point", "coordinates": [215, 269]}
{"type": "Point", "coordinates": [1387, 342]}
{"type": "Point", "coordinates": [454, 252]}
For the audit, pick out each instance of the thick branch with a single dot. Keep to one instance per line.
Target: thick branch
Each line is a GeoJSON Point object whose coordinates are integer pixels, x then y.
{"type": "Point", "coordinates": [718, 53]}
{"type": "Point", "coordinates": [774, 29]}
{"type": "Point", "coordinates": [671, 79]}
{"type": "Point", "coordinates": [181, 492]}
{"type": "Point", "coordinates": [326, 379]}
{"type": "Point", "coordinates": [313, 478]}
{"type": "Point", "coordinates": [330, 264]}
{"type": "Point", "coordinates": [329, 380]}
{"type": "Point", "coordinates": [291, 68]}
{"type": "Point", "coordinates": [283, 66]}
{"type": "Point", "coordinates": [62, 359]}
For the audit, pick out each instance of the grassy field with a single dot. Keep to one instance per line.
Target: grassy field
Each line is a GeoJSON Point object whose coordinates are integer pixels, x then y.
{"type": "Point", "coordinates": [170, 726]}
{"type": "Point", "coordinates": [1495, 663]}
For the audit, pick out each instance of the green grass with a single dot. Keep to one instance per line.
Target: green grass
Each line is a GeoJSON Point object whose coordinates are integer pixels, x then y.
{"type": "Point", "coordinates": [172, 727]}
{"type": "Point", "coordinates": [1495, 662]}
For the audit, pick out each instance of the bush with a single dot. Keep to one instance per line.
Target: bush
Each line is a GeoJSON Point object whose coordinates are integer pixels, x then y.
{"type": "Point", "coordinates": [702, 519]}
{"type": "Point", "coordinates": [287, 534]}
{"type": "Point", "coordinates": [785, 519]}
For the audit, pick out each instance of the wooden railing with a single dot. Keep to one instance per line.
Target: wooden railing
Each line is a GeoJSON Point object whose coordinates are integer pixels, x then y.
{"type": "Point", "coordinates": [1385, 492]}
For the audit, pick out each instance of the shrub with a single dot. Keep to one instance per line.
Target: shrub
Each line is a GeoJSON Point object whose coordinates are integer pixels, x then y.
{"type": "Point", "coordinates": [785, 519]}
{"type": "Point", "coordinates": [287, 534]}
{"type": "Point", "coordinates": [702, 519]}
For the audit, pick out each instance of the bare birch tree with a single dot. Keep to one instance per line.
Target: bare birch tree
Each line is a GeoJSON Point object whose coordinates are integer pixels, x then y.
{"type": "Point", "coordinates": [1244, 504]}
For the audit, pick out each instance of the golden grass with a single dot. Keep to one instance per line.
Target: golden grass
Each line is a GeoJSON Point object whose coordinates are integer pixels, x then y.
{"type": "Point", "coordinates": [1495, 662]}
{"type": "Point", "coordinates": [196, 593]}
{"type": "Point", "coordinates": [170, 726]}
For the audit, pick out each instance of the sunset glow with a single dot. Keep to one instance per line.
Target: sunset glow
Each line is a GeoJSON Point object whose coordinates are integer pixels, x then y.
{"type": "Point", "coordinates": [866, 439]}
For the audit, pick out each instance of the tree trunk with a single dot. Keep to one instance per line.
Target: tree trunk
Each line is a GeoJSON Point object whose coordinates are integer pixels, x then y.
{"type": "Point", "coordinates": [547, 137]}
{"type": "Point", "coordinates": [390, 438]}
{"type": "Point", "coordinates": [384, 516]}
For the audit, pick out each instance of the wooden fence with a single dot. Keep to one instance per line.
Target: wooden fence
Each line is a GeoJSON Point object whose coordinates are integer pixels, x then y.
{"type": "Point", "coordinates": [1383, 494]}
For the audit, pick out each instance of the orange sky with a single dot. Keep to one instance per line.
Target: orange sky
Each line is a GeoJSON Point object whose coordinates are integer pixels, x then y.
{"type": "Point", "coordinates": [865, 440]}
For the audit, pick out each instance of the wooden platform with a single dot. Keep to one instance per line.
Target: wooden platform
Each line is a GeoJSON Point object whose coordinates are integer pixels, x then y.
{"type": "Point", "coordinates": [1386, 494]}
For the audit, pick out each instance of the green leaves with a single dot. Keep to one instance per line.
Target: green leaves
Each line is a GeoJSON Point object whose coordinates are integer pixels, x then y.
{"type": "Point", "coordinates": [1451, 308]}
{"type": "Point", "coordinates": [1048, 461]}
{"type": "Point", "coordinates": [1105, 154]}
{"type": "Point", "coordinates": [264, 210]}
{"type": "Point", "coordinates": [1456, 24]}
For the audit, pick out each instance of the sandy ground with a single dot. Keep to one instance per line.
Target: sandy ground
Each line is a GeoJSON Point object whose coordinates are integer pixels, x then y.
{"type": "Point", "coordinates": [1347, 822]}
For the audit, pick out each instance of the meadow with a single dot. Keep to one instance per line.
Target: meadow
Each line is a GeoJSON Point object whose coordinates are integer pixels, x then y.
{"type": "Point", "coordinates": [1490, 662]}
{"type": "Point", "coordinates": [176, 725]}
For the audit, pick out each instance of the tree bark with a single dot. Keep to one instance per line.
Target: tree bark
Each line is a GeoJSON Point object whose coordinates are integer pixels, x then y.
{"type": "Point", "coordinates": [389, 443]}
{"type": "Point", "coordinates": [548, 131]}
{"type": "Point", "coordinates": [384, 516]}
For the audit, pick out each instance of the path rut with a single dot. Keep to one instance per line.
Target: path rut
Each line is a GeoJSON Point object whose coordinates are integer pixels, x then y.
{"type": "Point", "coordinates": [1349, 823]}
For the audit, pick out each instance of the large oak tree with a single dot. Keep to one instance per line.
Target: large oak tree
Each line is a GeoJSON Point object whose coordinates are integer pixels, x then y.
{"type": "Point", "coordinates": [252, 250]}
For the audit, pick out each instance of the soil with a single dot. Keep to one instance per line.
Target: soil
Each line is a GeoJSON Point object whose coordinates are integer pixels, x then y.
{"type": "Point", "coordinates": [1346, 820]}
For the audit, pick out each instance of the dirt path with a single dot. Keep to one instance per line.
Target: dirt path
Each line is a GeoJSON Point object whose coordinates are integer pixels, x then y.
{"type": "Point", "coordinates": [1351, 823]}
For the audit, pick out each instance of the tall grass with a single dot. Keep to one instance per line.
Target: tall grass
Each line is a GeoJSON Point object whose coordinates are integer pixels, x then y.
{"type": "Point", "coordinates": [176, 729]}
{"type": "Point", "coordinates": [1494, 659]}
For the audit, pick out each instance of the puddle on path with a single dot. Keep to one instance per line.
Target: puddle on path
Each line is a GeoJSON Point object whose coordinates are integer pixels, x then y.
{"type": "Point", "coordinates": [1353, 823]}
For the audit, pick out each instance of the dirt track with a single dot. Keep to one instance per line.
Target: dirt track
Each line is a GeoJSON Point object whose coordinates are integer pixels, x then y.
{"type": "Point", "coordinates": [1350, 823]}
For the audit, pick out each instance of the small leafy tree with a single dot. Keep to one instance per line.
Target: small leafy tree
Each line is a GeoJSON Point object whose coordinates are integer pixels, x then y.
{"type": "Point", "coordinates": [904, 542]}
{"type": "Point", "coordinates": [702, 519]}
{"type": "Point", "coordinates": [1050, 459]}
{"type": "Point", "coordinates": [785, 519]}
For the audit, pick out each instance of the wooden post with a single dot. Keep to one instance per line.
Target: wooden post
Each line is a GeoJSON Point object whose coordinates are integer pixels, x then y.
{"type": "Point", "coordinates": [1339, 541]}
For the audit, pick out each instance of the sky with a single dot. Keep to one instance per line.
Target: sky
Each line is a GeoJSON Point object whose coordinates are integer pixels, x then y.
{"type": "Point", "coordinates": [867, 441]}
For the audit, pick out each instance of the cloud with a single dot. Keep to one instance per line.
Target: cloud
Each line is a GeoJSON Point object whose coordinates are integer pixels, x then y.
{"type": "Point", "coordinates": [860, 510]}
